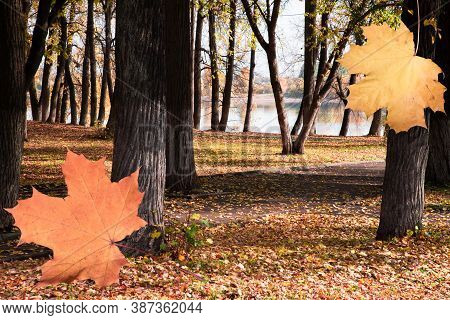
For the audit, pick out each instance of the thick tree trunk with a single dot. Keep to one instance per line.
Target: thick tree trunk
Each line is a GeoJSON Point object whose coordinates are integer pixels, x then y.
{"type": "Point", "coordinates": [377, 124]}
{"type": "Point", "coordinates": [44, 99]}
{"type": "Point", "coordinates": [59, 70]}
{"type": "Point", "coordinates": [215, 90]}
{"type": "Point", "coordinates": [139, 98]}
{"type": "Point", "coordinates": [407, 154]}
{"type": "Point", "coordinates": [180, 172]}
{"type": "Point", "coordinates": [403, 187]}
{"type": "Point", "coordinates": [286, 139]}
{"type": "Point", "coordinates": [311, 51]}
{"type": "Point", "coordinates": [438, 169]}
{"type": "Point", "coordinates": [228, 89]}
{"type": "Point", "coordinates": [198, 69]}
{"type": "Point", "coordinates": [248, 110]}
{"type": "Point", "coordinates": [12, 105]}
{"type": "Point", "coordinates": [92, 59]}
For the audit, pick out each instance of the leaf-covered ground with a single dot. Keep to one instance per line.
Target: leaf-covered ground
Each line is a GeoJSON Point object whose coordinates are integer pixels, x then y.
{"type": "Point", "coordinates": [215, 153]}
{"type": "Point", "coordinates": [285, 233]}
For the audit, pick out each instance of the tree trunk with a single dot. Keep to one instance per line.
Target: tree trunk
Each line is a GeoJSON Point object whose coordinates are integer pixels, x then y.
{"type": "Point", "coordinates": [59, 70]}
{"type": "Point", "coordinates": [73, 100]}
{"type": "Point", "coordinates": [309, 68]}
{"type": "Point", "coordinates": [44, 99]}
{"type": "Point", "coordinates": [377, 125]}
{"type": "Point", "coordinates": [192, 45]}
{"type": "Point", "coordinates": [12, 105]}
{"type": "Point", "coordinates": [68, 74]}
{"type": "Point", "coordinates": [58, 104]}
{"type": "Point", "coordinates": [85, 85]}
{"type": "Point", "coordinates": [108, 44]}
{"type": "Point", "coordinates": [312, 104]}
{"type": "Point", "coordinates": [198, 69]}
{"type": "Point", "coordinates": [215, 90]}
{"type": "Point", "coordinates": [34, 101]}
{"type": "Point", "coordinates": [347, 112]}
{"type": "Point", "coordinates": [248, 112]}
{"type": "Point", "coordinates": [106, 62]}
{"type": "Point", "coordinates": [228, 89]}
{"type": "Point", "coordinates": [180, 169]}
{"type": "Point", "coordinates": [345, 123]}
{"type": "Point", "coordinates": [299, 121]}
{"type": "Point", "coordinates": [102, 108]}
{"type": "Point", "coordinates": [139, 98]}
{"type": "Point", "coordinates": [403, 187]}
{"type": "Point", "coordinates": [64, 103]}
{"type": "Point", "coordinates": [407, 154]}
{"type": "Point", "coordinates": [92, 59]}
{"type": "Point", "coordinates": [438, 169]}
{"type": "Point", "coordinates": [286, 139]}
{"type": "Point", "coordinates": [46, 16]}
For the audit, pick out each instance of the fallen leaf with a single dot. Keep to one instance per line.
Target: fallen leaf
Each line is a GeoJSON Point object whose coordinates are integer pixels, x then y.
{"type": "Point", "coordinates": [82, 229]}
{"type": "Point", "coordinates": [395, 78]}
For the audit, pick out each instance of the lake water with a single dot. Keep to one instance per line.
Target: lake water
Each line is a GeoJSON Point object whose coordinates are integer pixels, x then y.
{"type": "Point", "coordinates": [264, 116]}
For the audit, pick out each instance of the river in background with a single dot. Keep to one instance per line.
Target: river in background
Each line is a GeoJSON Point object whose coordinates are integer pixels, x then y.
{"type": "Point", "coordinates": [264, 116]}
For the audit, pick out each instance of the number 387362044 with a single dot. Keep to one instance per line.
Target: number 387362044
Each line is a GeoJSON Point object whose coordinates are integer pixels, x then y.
{"type": "Point", "coordinates": [166, 307]}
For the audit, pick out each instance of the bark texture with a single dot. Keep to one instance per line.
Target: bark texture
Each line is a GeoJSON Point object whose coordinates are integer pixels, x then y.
{"type": "Point", "coordinates": [180, 173]}
{"type": "Point", "coordinates": [403, 187]}
{"type": "Point", "coordinates": [12, 105]}
{"type": "Point", "coordinates": [139, 140]}
{"type": "Point", "coordinates": [228, 89]}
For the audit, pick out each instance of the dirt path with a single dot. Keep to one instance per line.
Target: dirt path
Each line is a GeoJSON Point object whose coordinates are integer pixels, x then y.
{"type": "Point", "coordinates": [352, 189]}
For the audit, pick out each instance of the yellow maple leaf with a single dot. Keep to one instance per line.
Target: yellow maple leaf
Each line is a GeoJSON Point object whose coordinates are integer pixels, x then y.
{"type": "Point", "coordinates": [395, 78]}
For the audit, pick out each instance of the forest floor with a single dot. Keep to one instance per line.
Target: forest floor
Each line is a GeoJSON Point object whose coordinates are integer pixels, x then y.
{"type": "Point", "coordinates": [270, 227]}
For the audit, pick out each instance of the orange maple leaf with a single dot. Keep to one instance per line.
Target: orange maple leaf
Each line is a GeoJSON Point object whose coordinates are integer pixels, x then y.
{"type": "Point", "coordinates": [82, 229]}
